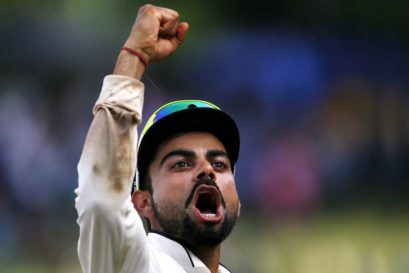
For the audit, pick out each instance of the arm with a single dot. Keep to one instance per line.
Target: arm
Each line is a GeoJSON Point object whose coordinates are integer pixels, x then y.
{"type": "Point", "coordinates": [110, 228]}
{"type": "Point", "coordinates": [156, 34]}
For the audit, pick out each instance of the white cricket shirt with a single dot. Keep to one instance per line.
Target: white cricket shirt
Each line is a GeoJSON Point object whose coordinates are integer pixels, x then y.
{"type": "Point", "coordinates": [112, 237]}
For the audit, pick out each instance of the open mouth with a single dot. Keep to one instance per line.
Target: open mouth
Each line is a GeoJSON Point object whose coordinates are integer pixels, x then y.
{"type": "Point", "coordinates": [207, 204]}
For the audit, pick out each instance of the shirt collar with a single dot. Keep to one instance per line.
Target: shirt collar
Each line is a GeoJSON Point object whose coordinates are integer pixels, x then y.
{"type": "Point", "coordinates": [178, 252]}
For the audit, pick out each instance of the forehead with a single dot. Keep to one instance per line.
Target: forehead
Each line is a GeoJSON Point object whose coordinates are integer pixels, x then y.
{"type": "Point", "coordinates": [191, 141]}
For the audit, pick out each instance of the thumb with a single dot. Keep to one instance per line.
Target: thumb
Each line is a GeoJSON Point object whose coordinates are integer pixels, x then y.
{"type": "Point", "coordinates": [181, 32]}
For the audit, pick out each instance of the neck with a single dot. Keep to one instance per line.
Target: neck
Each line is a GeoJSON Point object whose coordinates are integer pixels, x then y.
{"type": "Point", "coordinates": [210, 256]}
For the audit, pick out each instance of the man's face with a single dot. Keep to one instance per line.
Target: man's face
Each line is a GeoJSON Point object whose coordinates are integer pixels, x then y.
{"type": "Point", "coordinates": [194, 194]}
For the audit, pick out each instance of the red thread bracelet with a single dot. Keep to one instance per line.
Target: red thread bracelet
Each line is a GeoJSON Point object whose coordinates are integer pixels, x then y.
{"type": "Point", "coordinates": [137, 54]}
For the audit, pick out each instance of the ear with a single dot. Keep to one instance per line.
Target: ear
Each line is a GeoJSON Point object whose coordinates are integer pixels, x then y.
{"type": "Point", "coordinates": [142, 202]}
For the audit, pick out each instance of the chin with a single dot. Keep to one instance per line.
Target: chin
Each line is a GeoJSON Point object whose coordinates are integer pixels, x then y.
{"type": "Point", "coordinates": [197, 233]}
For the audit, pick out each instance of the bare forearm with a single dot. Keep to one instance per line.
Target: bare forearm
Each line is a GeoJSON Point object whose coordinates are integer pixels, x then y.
{"type": "Point", "coordinates": [129, 65]}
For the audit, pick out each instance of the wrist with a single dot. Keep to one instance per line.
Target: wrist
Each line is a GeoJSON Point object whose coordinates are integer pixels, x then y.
{"type": "Point", "coordinates": [137, 53]}
{"type": "Point", "coordinates": [129, 65]}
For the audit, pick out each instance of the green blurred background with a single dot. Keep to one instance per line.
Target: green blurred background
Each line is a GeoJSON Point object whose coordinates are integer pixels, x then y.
{"type": "Point", "coordinates": [319, 90]}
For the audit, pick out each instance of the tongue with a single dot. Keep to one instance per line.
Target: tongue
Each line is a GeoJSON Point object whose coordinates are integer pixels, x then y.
{"type": "Point", "coordinates": [207, 215]}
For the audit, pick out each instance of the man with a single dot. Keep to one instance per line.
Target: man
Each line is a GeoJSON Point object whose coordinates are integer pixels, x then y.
{"type": "Point", "coordinates": [185, 160]}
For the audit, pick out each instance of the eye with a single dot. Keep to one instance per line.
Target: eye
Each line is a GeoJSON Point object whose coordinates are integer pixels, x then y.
{"type": "Point", "coordinates": [219, 165]}
{"type": "Point", "coordinates": [181, 165]}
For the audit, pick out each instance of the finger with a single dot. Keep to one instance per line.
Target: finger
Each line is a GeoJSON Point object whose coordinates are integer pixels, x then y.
{"type": "Point", "coordinates": [179, 37]}
{"type": "Point", "coordinates": [168, 22]}
{"type": "Point", "coordinates": [169, 12]}
{"type": "Point", "coordinates": [148, 8]}
{"type": "Point", "coordinates": [169, 30]}
{"type": "Point", "coordinates": [167, 18]}
{"type": "Point", "coordinates": [170, 45]}
{"type": "Point", "coordinates": [181, 32]}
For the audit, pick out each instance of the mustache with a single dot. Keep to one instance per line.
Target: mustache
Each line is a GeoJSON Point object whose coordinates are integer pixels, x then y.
{"type": "Point", "coordinates": [204, 181]}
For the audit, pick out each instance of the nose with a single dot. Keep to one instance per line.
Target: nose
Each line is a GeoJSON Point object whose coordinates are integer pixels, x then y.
{"type": "Point", "coordinates": [206, 171]}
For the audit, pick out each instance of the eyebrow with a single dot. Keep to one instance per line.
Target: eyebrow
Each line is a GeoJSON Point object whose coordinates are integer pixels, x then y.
{"type": "Point", "coordinates": [191, 154]}
{"type": "Point", "coordinates": [181, 152]}
{"type": "Point", "coordinates": [216, 153]}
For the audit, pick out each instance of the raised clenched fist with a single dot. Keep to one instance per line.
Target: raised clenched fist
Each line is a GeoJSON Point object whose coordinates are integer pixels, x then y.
{"type": "Point", "coordinates": [156, 33]}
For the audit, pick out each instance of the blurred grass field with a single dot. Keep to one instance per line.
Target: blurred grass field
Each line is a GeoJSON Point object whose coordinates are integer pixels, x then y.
{"type": "Point", "coordinates": [355, 241]}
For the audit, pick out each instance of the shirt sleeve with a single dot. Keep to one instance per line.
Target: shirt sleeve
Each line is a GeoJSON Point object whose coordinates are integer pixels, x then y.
{"type": "Point", "coordinates": [109, 225]}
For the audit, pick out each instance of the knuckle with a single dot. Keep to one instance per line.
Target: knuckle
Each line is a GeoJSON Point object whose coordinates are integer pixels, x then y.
{"type": "Point", "coordinates": [174, 15]}
{"type": "Point", "coordinates": [146, 8]}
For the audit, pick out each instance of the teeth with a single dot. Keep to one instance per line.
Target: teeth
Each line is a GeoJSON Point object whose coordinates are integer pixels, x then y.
{"type": "Point", "coordinates": [209, 215]}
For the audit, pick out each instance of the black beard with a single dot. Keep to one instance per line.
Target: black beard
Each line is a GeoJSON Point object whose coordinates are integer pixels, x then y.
{"type": "Point", "coordinates": [176, 223]}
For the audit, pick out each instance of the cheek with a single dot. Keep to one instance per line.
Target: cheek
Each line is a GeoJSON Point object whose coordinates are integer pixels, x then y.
{"type": "Point", "coordinates": [169, 192]}
{"type": "Point", "coordinates": [230, 194]}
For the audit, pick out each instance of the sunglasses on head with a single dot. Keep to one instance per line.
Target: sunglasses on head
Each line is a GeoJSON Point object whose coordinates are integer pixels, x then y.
{"type": "Point", "coordinates": [174, 107]}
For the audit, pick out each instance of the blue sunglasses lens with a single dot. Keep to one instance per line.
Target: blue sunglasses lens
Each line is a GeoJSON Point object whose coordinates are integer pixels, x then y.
{"type": "Point", "coordinates": [173, 107]}
{"type": "Point", "coordinates": [181, 105]}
